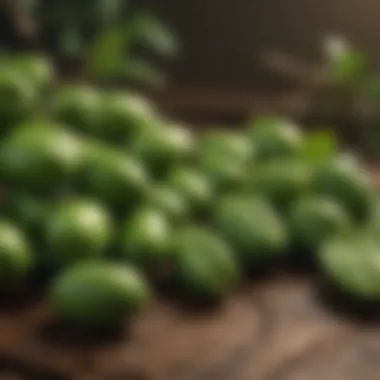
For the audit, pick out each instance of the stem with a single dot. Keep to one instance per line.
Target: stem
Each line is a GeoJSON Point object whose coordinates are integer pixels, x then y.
{"type": "Point", "coordinates": [306, 74]}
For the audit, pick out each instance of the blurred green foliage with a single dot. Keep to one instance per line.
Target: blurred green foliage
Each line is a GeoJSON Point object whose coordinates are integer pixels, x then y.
{"type": "Point", "coordinates": [319, 146]}
{"type": "Point", "coordinates": [346, 64]}
{"type": "Point", "coordinates": [354, 86]}
{"type": "Point", "coordinates": [109, 40]}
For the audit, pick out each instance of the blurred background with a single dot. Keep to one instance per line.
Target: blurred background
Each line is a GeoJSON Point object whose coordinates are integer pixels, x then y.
{"type": "Point", "coordinates": [222, 40]}
{"type": "Point", "coordinates": [225, 44]}
{"type": "Point", "coordinates": [218, 61]}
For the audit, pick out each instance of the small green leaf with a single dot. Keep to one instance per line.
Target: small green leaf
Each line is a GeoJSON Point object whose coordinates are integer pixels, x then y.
{"type": "Point", "coordinates": [345, 63]}
{"type": "Point", "coordinates": [319, 146]}
{"type": "Point", "coordinates": [151, 32]}
{"type": "Point", "coordinates": [142, 72]}
{"type": "Point", "coordinates": [348, 68]}
{"type": "Point", "coordinates": [353, 65]}
{"type": "Point", "coordinates": [107, 54]}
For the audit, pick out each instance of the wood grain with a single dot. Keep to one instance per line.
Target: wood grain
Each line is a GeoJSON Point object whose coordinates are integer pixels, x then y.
{"type": "Point", "coordinates": [272, 330]}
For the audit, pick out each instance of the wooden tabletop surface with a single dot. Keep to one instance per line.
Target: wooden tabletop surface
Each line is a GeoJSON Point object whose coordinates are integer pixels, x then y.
{"type": "Point", "coordinates": [277, 329]}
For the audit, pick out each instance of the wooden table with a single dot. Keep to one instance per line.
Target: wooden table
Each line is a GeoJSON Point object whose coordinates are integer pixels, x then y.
{"type": "Point", "coordinates": [277, 329]}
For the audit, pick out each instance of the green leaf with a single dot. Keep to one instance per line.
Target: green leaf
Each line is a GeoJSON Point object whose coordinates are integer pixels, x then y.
{"type": "Point", "coordinates": [345, 63]}
{"type": "Point", "coordinates": [151, 32]}
{"type": "Point", "coordinates": [142, 72]}
{"type": "Point", "coordinates": [107, 55]}
{"type": "Point", "coordinates": [319, 146]}
{"type": "Point", "coordinates": [349, 67]}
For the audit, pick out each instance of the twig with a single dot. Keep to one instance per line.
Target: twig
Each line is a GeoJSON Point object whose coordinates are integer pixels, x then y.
{"type": "Point", "coordinates": [311, 76]}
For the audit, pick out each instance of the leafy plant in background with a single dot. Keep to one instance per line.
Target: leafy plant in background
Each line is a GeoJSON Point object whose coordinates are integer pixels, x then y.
{"type": "Point", "coordinates": [341, 89]}
{"type": "Point", "coordinates": [104, 40]}
{"type": "Point", "coordinates": [357, 90]}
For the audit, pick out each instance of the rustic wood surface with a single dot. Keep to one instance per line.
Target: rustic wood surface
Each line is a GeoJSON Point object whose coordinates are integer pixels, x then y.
{"type": "Point", "coordinates": [278, 329]}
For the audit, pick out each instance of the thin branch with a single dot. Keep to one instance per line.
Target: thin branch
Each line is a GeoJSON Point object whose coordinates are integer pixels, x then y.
{"type": "Point", "coordinates": [293, 68]}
